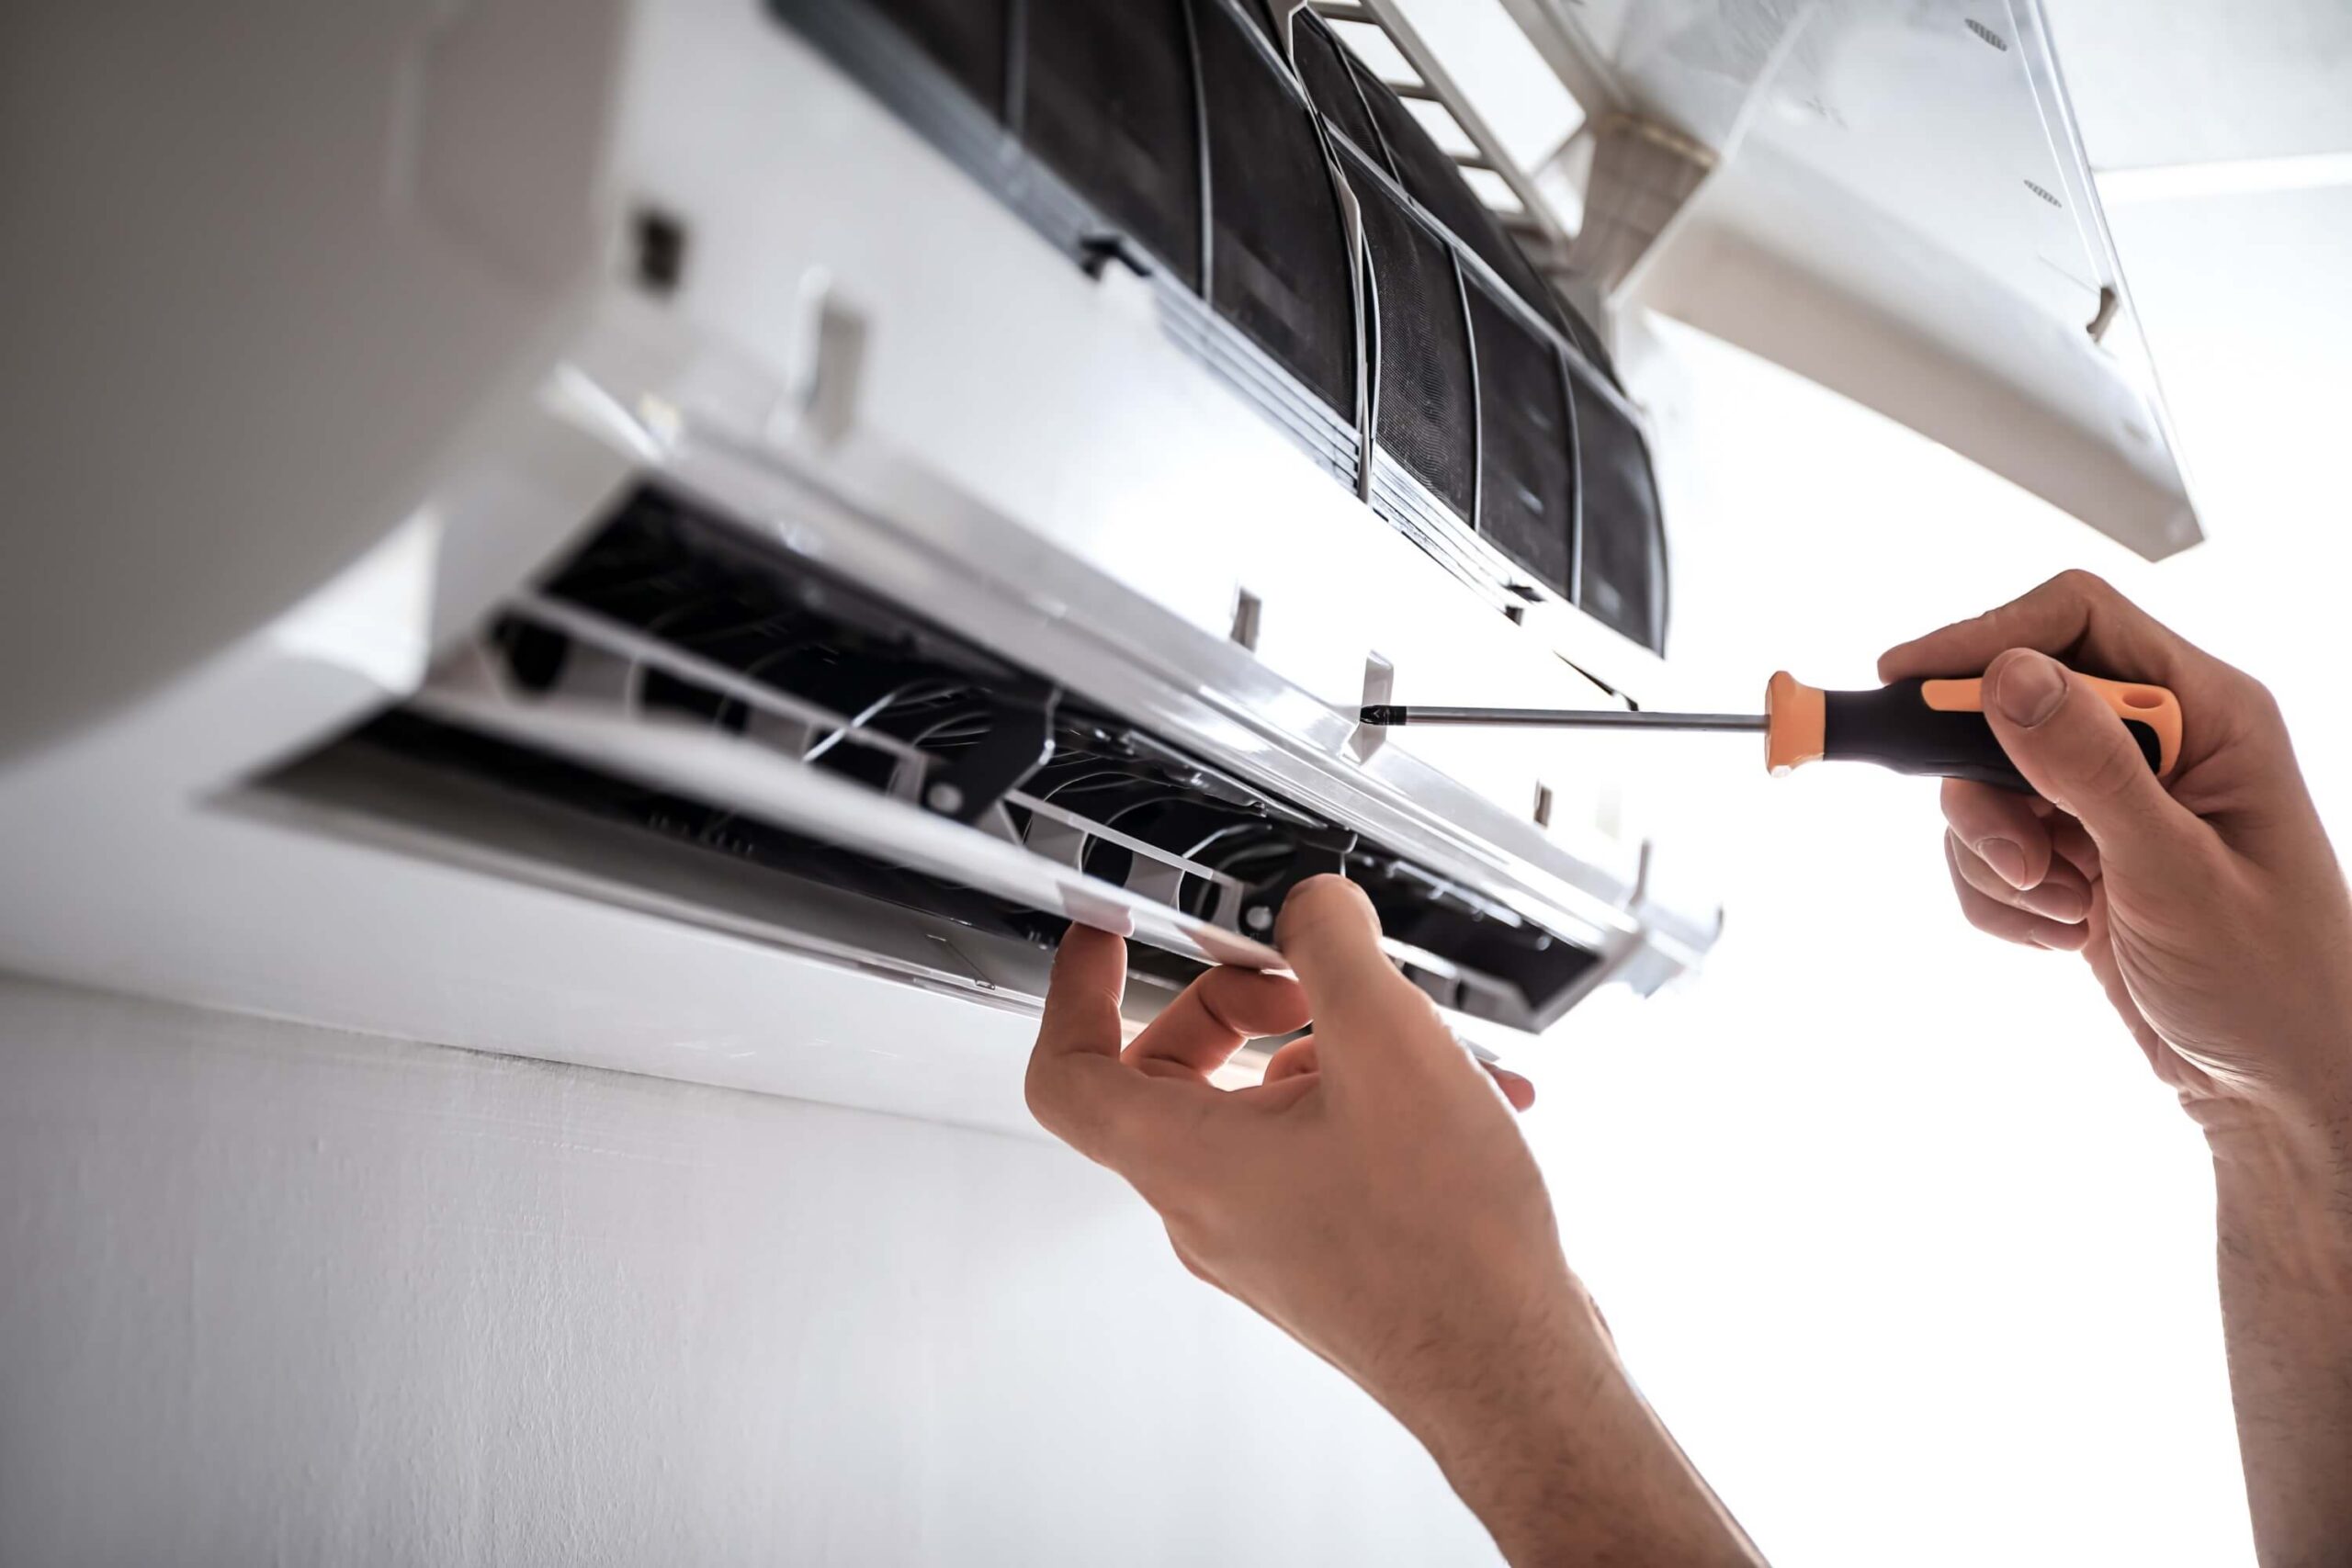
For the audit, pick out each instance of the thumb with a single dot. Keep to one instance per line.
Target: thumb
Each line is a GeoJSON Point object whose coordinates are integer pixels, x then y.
{"type": "Point", "coordinates": [1330, 936]}
{"type": "Point", "coordinates": [2076, 751]}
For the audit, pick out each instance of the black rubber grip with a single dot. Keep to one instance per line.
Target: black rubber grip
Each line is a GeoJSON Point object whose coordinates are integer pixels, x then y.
{"type": "Point", "coordinates": [1895, 728]}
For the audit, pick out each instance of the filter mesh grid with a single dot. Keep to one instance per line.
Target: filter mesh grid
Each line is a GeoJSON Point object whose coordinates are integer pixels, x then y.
{"type": "Point", "coordinates": [1428, 410]}
{"type": "Point", "coordinates": [1110, 107]}
{"type": "Point", "coordinates": [1279, 252]}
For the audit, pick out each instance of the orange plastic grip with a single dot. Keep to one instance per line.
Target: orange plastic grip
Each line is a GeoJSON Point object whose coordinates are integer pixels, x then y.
{"type": "Point", "coordinates": [2133, 701]}
{"type": "Point", "coordinates": [1796, 723]}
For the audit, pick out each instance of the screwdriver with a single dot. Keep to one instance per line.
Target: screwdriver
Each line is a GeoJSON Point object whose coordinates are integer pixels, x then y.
{"type": "Point", "coordinates": [1935, 727]}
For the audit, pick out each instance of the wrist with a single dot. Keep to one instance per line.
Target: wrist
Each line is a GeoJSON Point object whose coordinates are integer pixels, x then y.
{"type": "Point", "coordinates": [1517, 1384]}
{"type": "Point", "coordinates": [2295, 1105]}
{"type": "Point", "coordinates": [2277, 1132]}
{"type": "Point", "coordinates": [2282, 1177]}
{"type": "Point", "coordinates": [1563, 1461]}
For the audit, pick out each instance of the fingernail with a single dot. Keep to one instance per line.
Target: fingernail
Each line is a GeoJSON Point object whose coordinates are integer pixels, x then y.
{"type": "Point", "coordinates": [2005, 858]}
{"type": "Point", "coordinates": [2058, 901]}
{"type": "Point", "coordinates": [2030, 688]}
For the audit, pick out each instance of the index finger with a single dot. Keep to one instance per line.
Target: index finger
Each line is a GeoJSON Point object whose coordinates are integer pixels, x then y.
{"type": "Point", "coordinates": [1195, 1034]}
{"type": "Point", "coordinates": [1081, 1017]}
{"type": "Point", "coordinates": [2075, 618]}
{"type": "Point", "coordinates": [1077, 1086]}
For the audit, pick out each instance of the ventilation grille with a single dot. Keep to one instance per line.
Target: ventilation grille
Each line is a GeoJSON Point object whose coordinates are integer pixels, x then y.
{"type": "Point", "coordinates": [1279, 270]}
{"type": "Point", "coordinates": [670, 622]}
{"type": "Point", "coordinates": [1620, 572]}
{"type": "Point", "coordinates": [1430, 174]}
{"type": "Point", "coordinates": [1325, 69]}
{"type": "Point", "coordinates": [1527, 468]}
{"type": "Point", "coordinates": [1109, 102]}
{"type": "Point", "coordinates": [1427, 413]}
{"type": "Point", "coordinates": [967, 38]}
{"type": "Point", "coordinates": [1172, 133]}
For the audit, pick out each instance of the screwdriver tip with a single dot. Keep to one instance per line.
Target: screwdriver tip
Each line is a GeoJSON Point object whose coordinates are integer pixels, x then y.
{"type": "Point", "coordinates": [1381, 714]}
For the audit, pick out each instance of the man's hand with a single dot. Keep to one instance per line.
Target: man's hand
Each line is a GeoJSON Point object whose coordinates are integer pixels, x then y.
{"type": "Point", "coordinates": [1374, 1198]}
{"type": "Point", "coordinates": [2215, 917]}
{"type": "Point", "coordinates": [2213, 911]}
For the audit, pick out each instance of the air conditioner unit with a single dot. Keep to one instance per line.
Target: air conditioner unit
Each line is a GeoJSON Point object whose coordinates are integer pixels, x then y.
{"type": "Point", "coordinates": [873, 480]}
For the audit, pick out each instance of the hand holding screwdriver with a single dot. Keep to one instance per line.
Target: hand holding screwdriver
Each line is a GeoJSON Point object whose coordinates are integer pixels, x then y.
{"type": "Point", "coordinates": [2210, 906]}
{"type": "Point", "coordinates": [2216, 919]}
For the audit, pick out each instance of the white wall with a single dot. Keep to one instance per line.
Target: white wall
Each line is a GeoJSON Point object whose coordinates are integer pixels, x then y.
{"type": "Point", "coordinates": [270, 1293]}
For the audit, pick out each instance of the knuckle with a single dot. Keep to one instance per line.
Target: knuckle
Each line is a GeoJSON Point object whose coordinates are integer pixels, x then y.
{"type": "Point", "coordinates": [1973, 871]}
{"type": "Point", "coordinates": [2258, 700]}
{"type": "Point", "coordinates": [1222, 993]}
{"type": "Point", "coordinates": [1037, 1093]}
{"type": "Point", "coordinates": [1179, 1213]}
{"type": "Point", "coordinates": [2076, 583]}
{"type": "Point", "coordinates": [1990, 626]}
{"type": "Point", "coordinates": [1187, 1253]}
{"type": "Point", "coordinates": [1985, 916]}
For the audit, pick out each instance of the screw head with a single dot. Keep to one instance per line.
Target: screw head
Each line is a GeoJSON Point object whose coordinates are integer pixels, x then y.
{"type": "Point", "coordinates": [945, 798]}
{"type": "Point", "coordinates": [1258, 917]}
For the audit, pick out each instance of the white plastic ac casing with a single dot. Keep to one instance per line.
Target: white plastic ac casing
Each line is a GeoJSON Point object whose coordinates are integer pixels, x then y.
{"type": "Point", "coordinates": [377, 347]}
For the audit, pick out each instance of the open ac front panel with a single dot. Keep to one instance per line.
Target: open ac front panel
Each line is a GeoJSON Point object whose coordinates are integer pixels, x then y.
{"type": "Point", "coordinates": [1310, 241]}
{"type": "Point", "coordinates": [751, 620]}
{"type": "Point", "coordinates": [670, 622]}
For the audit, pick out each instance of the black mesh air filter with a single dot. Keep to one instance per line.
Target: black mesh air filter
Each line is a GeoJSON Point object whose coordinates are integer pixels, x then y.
{"type": "Point", "coordinates": [1588, 342]}
{"type": "Point", "coordinates": [1109, 106]}
{"type": "Point", "coordinates": [1428, 413]}
{"type": "Point", "coordinates": [1330, 82]}
{"type": "Point", "coordinates": [1622, 575]}
{"type": "Point", "coordinates": [1526, 458]}
{"type": "Point", "coordinates": [1425, 169]}
{"type": "Point", "coordinates": [968, 36]}
{"type": "Point", "coordinates": [1278, 255]}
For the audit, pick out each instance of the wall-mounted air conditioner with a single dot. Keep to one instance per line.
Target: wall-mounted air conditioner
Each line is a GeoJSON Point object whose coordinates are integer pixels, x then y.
{"type": "Point", "coordinates": [861, 483]}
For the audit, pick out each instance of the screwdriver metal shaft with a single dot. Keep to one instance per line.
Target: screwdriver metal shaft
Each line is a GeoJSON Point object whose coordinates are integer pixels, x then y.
{"type": "Point", "coordinates": [1393, 713]}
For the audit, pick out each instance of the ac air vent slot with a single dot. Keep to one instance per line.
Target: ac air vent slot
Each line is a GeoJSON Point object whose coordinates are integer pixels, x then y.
{"type": "Point", "coordinates": [681, 679]}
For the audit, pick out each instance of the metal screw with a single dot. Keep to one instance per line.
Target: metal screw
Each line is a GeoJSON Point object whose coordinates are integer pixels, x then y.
{"type": "Point", "coordinates": [945, 798]}
{"type": "Point", "coordinates": [1258, 917]}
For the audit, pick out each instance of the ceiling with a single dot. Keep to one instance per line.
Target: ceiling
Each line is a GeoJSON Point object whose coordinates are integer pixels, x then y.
{"type": "Point", "coordinates": [2164, 81]}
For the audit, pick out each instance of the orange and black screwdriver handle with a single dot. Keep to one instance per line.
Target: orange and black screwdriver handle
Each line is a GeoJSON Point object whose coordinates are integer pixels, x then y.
{"type": "Point", "coordinates": [1939, 727]}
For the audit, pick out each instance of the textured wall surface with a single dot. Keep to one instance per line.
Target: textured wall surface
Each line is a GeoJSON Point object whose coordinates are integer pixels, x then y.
{"type": "Point", "coordinates": [269, 1293]}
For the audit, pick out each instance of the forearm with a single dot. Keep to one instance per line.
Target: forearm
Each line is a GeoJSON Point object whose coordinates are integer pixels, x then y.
{"type": "Point", "coordinates": [1564, 1462]}
{"type": "Point", "coordinates": [2284, 1191]}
